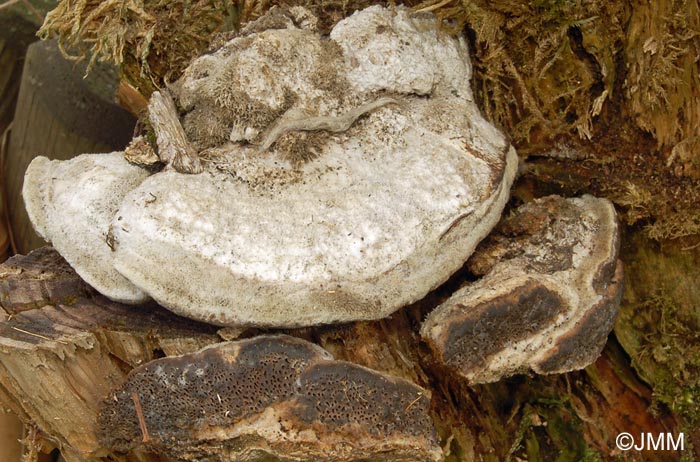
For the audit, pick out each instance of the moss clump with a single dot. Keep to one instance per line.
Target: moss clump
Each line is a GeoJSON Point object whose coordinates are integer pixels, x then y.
{"type": "Point", "coordinates": [667, 354]}
{"type": "Point", "coordinates": [676, 225]}
{"type": "Point", "coordinates": [550, 430]}
{"type": "Point", "coordinates": [659, 324]}
{"type": "Point", "coordinates": [544, 68]}
{"type": "Point", "coordinates": [675, 215]}
{"type": "Point", "coordinates": [150, 40]}
{"type": "Point", "coordinates": [663, 85]}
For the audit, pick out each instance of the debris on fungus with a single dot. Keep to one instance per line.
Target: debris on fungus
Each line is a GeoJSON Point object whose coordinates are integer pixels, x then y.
{"type": "Point", "coordinates": [174, 149]}
{"type": "Point", "coordinates": [268, 398]}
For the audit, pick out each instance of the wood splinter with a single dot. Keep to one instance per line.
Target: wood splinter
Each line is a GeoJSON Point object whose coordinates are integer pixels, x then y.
{"type": "Point", "coordinates": [291, 122]}
{"type": "Point", "coordinates": [142, 420]}
{"type": "Point", "coordinates": [174, 150]}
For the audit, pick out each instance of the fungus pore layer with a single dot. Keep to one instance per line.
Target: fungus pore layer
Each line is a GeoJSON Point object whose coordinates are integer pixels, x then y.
{"type": "Point", "coordinates": [269, 398]}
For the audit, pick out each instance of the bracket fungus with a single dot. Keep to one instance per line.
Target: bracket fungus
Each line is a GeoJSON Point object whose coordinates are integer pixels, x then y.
{"type": "Point", "coordinates": [311, 180]}
{"type": "Point", "coordinates": [550, 288]}
{"type": "Point", "coordinates": [72, 203]}
{"type": "Point", "coordinates": [342, 177]}
{"type": "Point", "coordinates": [268, 398]}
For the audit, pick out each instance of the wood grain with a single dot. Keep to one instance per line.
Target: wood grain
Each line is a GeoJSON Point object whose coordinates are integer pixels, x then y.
{"type": "Point", "coordinates": [59, 114]}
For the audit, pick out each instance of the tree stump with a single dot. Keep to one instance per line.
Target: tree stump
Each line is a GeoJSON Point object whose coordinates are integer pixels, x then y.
{"type": "Point", "coordinates": [64, 348]}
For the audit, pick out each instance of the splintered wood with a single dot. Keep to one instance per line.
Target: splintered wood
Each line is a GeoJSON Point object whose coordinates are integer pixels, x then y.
{"type": "Point", "coordinates": [63, 348]}
{"type": "Point", "coordinates": [173, 147]}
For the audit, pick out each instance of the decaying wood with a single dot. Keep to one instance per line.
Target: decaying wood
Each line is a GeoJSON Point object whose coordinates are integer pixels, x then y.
{"type": "Point", "coordinates": [173, 147]}
{"type": "Point", "coordinates": [63, 349]}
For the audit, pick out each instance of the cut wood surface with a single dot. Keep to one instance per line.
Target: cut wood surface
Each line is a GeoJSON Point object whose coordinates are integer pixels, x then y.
{"type": "Point", "coordinates": [64, 349]}
{"type": "Point", "coordinates": [59, 114]}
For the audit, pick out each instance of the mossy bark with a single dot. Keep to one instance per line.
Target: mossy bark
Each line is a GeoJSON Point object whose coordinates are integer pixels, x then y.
{"type": "Point", "coordinates": [659, 322]}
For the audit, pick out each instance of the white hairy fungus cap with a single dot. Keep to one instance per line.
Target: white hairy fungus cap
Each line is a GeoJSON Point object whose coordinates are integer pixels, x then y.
{"type": "Point", "coordinates": [72, 203]}
{"type": "Point", "coordinates": [343, 177]}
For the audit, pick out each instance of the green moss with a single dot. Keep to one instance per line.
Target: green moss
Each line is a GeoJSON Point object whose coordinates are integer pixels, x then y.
{"type": "Point", "coordinates": [149, 133]}
{"type": "Point", "coordinates": [151, 41]}
{"type": "Point", "coordinates": [659, 323]}
{"type": "Point", "coordinates": [552, 10]}
{"type": "Point", "coordinates": [689, 453]}
{"type": "Point", "coordinates": [668, 355]}
{"type": "Point", "coordinates": [549, 429]}
{"type": "Point", "coordinates": [675, 224]}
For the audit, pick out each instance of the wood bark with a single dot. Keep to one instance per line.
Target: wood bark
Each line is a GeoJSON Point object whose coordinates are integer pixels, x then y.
{"type": "Point", "coordinates": [63, 348]}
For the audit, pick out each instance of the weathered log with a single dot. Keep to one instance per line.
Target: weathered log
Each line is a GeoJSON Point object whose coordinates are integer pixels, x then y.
{"type": "Point", "coordinates": [64, 349]}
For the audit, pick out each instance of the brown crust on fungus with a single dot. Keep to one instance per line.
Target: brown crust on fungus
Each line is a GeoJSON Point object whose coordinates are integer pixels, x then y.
{"type": "Point", "coordinates": [586, 340]}
{"type": "Point", "coordinates": [271, 397]}
{"type": "Point", "coordinates": [550, 289]}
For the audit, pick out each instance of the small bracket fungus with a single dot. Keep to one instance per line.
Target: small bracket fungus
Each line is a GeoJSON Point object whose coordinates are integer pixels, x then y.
{"type": "Point", "coordinates": [547, 300]}
{"type": "Point", "coordinates": [72, 203]}
{"type": "Point", "coordinates": [343, 177]}
{"type": "Point", "coordinates": [268, 398]}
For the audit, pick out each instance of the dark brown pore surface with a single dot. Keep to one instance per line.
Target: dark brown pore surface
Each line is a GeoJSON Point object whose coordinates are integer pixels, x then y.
{"type": "Point", "coordinates": [486, 328]}
{"type": "Point", "coordinates": [588, 338]}
{"type": "Point", "coordinates": [225, 384]}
